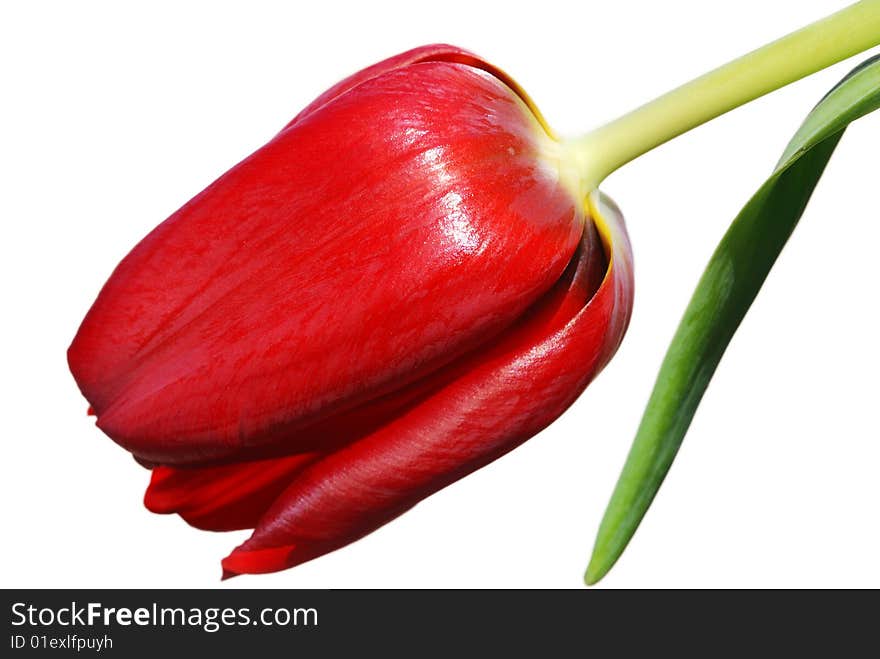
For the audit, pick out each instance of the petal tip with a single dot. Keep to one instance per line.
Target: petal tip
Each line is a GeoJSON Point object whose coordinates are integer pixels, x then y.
{"type": "Point", "coordinates": [258, 561]}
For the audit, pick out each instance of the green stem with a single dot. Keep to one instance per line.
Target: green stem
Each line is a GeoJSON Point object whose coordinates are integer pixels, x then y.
{"type": "Point", "coordinates": [819, 45]}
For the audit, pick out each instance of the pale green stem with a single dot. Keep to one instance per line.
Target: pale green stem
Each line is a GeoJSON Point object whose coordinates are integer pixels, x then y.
{"type": "Point", "coordinates": [821, 44]}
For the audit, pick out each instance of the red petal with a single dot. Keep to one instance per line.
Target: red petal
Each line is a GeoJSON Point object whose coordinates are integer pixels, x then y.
{"type": "Point", "coordinates": [430, 53]}
{"type": "Point", "coordinates": [231, 496]}
{"type": "Point", "coordinates": [491, 403]}
{"type": "Point", "coordinates": [224, 497]}
{"type": "Point", "coordinates": [439, 52]}
{"type": "Point", "coordinates": [400, 226]}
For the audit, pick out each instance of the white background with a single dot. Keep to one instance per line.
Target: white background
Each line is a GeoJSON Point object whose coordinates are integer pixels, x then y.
{"type": "Point", "coordinates": [113, 116]}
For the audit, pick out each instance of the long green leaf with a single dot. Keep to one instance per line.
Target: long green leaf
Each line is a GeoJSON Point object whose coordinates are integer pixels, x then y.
{"type": "Point", "coordinates": [724, 294]}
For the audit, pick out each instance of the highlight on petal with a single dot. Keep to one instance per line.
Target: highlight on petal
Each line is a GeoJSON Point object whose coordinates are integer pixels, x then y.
{"type": "Point", "coordinates": [487, 405]}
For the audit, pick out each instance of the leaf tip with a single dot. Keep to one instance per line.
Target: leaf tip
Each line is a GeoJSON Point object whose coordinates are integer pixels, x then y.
{"type": "Point", "coordinates": [596, 570]}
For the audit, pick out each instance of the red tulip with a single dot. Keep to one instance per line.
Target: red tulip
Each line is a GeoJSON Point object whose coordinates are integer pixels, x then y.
{"type": "Point", "coordinates": [405, 283]}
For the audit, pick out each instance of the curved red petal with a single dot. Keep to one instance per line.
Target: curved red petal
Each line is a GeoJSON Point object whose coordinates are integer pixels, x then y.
{"type": "Point", "coordinates": [223, 497]}
{"type": "Point", "coordinates": [429, 53]}
{"type": "Point", "coordinates": [397, 228]}
{"type": "Point", "coordinates": [439, 52]}
{"type": "Point", "coordinates": [489, 406]}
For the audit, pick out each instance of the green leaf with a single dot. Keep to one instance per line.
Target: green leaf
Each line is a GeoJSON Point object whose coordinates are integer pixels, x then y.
{"type": "Point", "coordinates": [731, 281]}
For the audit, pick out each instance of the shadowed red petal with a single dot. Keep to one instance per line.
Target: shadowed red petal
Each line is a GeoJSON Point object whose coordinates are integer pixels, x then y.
{"type": "Point", "coordinates": [322, 436]}
{"type": "Point", "coordinates": [223, 497]}
{"type": "Point", "coordinates": [232, 495]}
{"type": "Point", "coordinates": [372, 242]}
{"type": "Point", "coordinates": [490, 404]}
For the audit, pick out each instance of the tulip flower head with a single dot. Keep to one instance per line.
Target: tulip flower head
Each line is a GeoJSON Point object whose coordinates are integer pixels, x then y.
{"type": "Point", "coordinates": [409, 280]}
